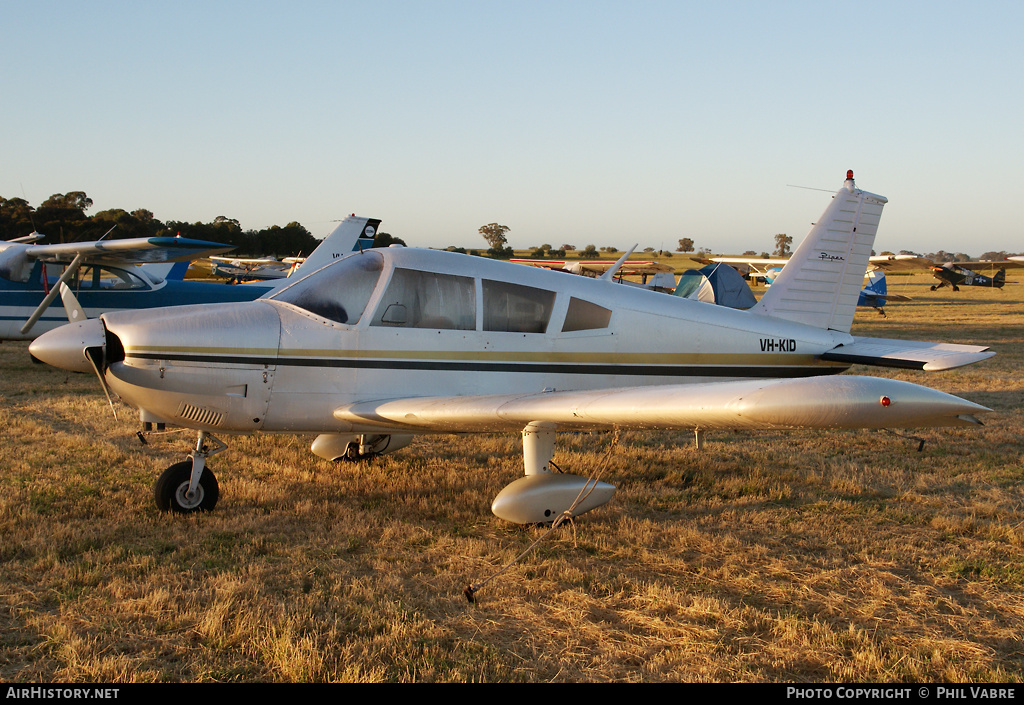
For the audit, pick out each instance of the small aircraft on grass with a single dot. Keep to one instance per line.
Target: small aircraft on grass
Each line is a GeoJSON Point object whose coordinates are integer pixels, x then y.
{"type": "Point", "coordinates": [956, 275]}
{"type": "Point", "coordinates": [243, 269]}
{"type": "Point", "coordinates": [104, 276]}
{"type": "Point", "coordinates": [389, 343]}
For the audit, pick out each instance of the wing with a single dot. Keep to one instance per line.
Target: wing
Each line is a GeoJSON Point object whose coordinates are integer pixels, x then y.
{"type": "Point", "coordinates": [128, 251]}
{"type": "Point", "coordinates": [841, 401]}
{"type": "Point", "coordinates": [908, 354]}
{"type": "Point", "coordinates": [900, 263]}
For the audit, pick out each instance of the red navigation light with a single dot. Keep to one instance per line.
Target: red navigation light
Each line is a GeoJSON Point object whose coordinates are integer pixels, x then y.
{"type": "Point", "coordinates": [849, 173]}
{"type": "Point", "coordinates": [885, 401]}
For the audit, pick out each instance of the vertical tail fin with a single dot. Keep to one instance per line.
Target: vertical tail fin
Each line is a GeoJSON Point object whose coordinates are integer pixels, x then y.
{"type": "Point", "coordinates": [820, 284]}
{"type": "Point", "coordinates": [876, 282]}
{"type": "Point", "coordinates": [345, 239]}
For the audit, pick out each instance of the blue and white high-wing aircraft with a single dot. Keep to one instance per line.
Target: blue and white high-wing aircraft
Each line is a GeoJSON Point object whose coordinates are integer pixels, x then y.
{"type": "Point", "coordinates": [392, 342]}
{"type": "Point", "coordinates": [104, 277]}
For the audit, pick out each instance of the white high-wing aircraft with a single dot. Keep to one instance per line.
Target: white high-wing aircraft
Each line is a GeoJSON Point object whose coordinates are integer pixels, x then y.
{"type": "Point", "coordinates": [388, 343]}
{"type": "Point", "coordinates": [104, 275]}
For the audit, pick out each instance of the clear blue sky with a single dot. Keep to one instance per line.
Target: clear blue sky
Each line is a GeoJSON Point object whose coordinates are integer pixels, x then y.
{"type": "Point", "coordinates": [606, 123]}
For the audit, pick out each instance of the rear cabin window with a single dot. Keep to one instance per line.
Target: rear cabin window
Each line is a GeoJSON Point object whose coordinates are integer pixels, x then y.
{"type": "Point", "coordinates": [340, 291]}
{"type": "Point", "coordinates": [417, 299]}
{"type": "Point", "coordinates": [583, 315]}
{"type": "Point", "coordinates": [515, 308]}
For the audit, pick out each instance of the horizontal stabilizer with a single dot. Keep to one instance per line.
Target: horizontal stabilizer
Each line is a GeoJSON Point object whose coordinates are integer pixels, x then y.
{"type": "Point", "coordinates": [907, 354]}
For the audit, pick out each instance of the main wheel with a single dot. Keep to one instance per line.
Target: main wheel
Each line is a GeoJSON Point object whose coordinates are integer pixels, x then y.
{"type": "Point", "coordinates": [171, 488]}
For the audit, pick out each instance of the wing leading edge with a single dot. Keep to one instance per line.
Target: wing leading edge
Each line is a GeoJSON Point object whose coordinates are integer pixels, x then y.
{"type": "Point", "coordinates": [128, 251]}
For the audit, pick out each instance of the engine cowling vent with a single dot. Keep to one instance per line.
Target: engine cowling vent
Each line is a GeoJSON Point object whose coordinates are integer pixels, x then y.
{"type": "Point", "coordinates": [199, 415]}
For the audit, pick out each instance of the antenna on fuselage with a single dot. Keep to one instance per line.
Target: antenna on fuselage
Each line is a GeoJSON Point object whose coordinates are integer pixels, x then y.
{"type": "Point", "coordinates": [610, 274]}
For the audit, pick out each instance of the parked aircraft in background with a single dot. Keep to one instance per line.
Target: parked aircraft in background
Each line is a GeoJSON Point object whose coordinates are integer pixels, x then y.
{"type": "Point", "coordinates": [393, 342]}
{"type": "Point", "coordinates": [241, 269]}
{"type": "Point", "coordinates": [875, 294]}
{"type": "Point", "coordinates": [103, 276]}
{"type": "Point", "coordinates": [651, 275]}
{"type": "Point", "coordinates": [956, 275]}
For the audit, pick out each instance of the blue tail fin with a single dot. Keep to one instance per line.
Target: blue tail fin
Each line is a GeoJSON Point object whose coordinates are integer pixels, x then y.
{"type": "Point", "coordinates": [876, 282]}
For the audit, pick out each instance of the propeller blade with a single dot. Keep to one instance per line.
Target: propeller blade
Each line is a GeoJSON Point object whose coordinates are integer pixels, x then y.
{"type": "Point", "coordinates": [95, 355]}
{"type": "Point", "coordinates": [75, 312]}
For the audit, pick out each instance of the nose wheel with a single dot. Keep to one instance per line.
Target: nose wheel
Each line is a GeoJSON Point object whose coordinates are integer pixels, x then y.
{"type": "Point", "coordinates": [190, 486]}
{"type": "Point", "coordinates": [172, 494]}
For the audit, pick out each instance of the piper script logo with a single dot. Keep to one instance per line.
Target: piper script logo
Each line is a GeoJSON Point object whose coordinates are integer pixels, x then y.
{"type": "Point", "coordinates": [826, 257]}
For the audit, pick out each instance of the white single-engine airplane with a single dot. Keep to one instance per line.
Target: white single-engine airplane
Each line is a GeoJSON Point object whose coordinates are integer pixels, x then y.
{"type": "Point", "coordinates": [388, 343]}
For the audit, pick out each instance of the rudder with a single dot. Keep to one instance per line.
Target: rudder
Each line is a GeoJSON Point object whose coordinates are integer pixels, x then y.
{"type": "Point", "coordinates": [821, 283]}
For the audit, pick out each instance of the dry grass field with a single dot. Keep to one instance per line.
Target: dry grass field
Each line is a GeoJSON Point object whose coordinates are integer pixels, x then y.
{"type": "Point", "coordinates": [766, 557]}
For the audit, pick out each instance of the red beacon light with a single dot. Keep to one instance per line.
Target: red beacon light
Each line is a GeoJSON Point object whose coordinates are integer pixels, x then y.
{"type": "Point", "coordinates": [885, 401]}
{"type": "Point", "coordinates": [849, 173]}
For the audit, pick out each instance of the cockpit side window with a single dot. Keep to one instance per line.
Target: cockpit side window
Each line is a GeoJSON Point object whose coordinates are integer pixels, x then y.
{"type": "Point", "coordinates": [96, 277]}
{"type": "Point", "coordinates": [416, 299]}
{"type": "Point", "coordinates": [583, 315]}
{"type": "Point", "coordinates": [516, 308]}
{"type": "Point", "coordinates": [338, 292]}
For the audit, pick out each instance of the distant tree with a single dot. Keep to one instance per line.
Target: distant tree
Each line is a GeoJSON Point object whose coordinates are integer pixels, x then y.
{"type": "Point", "coordinates": [16, 218]}
{"type": "Point", "coordinates": [568, 248]}
{"type": "Point", "coordinates": [63, 215]}
{"type": "Point", "coordinates": [685, 245]}
{"type": "Point", "coordinates": [387, 240]}
{"type": "Point", "coordinates": [782, 243]}
{"type": "Point", "coordinates": [293, 240]}
{"type": "Point", "coordinates": [589, 252]}
{"type": "Point", "coordinates": [750, 253]}
{"type": "Point", "coordinates": [494, 234]}
{"type": "Point", "coordinates": [648, 249]}
{"type": "Point", "coordinates": [73, 200]}
{"type": "Point", "coordinates": [994, 256]}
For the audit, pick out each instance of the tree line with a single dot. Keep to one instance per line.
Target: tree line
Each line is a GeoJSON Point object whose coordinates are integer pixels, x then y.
{"type": "Point", "coordinates": [62, 218]}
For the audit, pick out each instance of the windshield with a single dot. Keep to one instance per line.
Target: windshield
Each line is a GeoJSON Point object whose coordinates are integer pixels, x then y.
{"type": "Point", "coordinates": [339, 291]}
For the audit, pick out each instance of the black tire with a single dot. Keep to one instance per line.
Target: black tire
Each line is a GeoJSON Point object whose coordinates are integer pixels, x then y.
{"type": "Point", "coordinates": [169, 490]}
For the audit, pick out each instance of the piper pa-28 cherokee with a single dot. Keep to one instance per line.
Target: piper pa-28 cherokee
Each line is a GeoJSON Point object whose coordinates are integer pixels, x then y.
{"type": "Point", "coordinates": [388, 343]}
{"type": "Point", "coordinates": [103, 276]}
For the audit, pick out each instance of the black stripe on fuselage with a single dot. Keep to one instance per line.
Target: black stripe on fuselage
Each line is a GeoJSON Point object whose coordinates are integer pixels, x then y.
{"type": "Point", "coordinates": [765, 371]}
